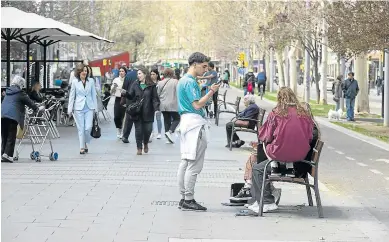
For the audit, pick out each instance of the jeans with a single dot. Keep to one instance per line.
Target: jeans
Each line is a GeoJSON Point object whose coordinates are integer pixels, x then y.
{"type": "Point", "coordinates": [350, 104]}
{"type": "Point", "coordinates": [142, 132]}
{"type": "Point", "coordinates": [171, 120]}
{"type": "Point", "coordinates": [9, 129]}
{"type": "Point", "coordinates": [257, 178]}
{"type": "Point", "coordinates": [159, 121]}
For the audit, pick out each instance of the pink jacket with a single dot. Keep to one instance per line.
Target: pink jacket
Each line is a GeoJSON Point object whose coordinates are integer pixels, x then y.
{"type": "Point", "coordinates": [288, 138]}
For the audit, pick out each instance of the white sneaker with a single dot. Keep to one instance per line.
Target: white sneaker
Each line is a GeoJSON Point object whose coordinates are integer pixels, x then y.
{"type": "Point", "coordinates": [7, 158]}
{"type": "Point", "coordinates": [254, 207]}
{"type": "Point", "coordinates": [269, 207]}
{"type": "Point", "coordinates": [169, 137]}
{"type": "Point", "coordinates": [119, 133]}
{"type": "Point", "coordinates": [159, 136]}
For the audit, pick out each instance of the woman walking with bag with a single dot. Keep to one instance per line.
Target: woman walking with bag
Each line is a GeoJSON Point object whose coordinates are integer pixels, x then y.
{"type": "Point", "coordinates": [83, 104]}
{"type": "Point", "coordinates": [144, 94]}
{"type": "Point", "coordinates": [154, 74]}
{"type": "Point", "coordinates": [119, 109]}
{"type": "Point", "coordinates": [169, 106]}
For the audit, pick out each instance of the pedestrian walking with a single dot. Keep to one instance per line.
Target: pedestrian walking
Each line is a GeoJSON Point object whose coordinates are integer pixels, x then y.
{"type": "Point", "coordinates": [131, 77]}
{"type": "Point", "coordinates": [119, 108]}
{"type": "Point", "coordinates": [12, 115]}
{"type": "Point", "coordinates": [82, 104]}
{"type": "Point", "coordinates": [338, 92]}
{"type": "Point", "coordinates": [154, 74]}
{"type": "Point", "coordinates": [146, 102]}
{"type": "Point", "coordinates": [192, 129]}
{"type": "Point", "coordinates": [350, 89]}
{"type": "Point", "coordinates": [167, 93]}
{"type": "Point", "coordinates": [378, 84]}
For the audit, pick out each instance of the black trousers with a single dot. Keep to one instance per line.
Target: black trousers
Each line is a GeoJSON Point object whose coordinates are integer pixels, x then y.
{"type": "Point", "coordinates": [128, 123]}
{"type": "Point", "coordinates": [171, 120]}
{"type": "Point", "coordinates": [264, 88]}
{"type": "Point", "coordinates": [142, 132]}
{"type": "Point", "coordinates": [118, 113]}
{"type": "Point", "coordinates": [214, 100]}
{"type": "Point", "coordinates": [9, 128]}
{"type": "Point", "coordinates": [229, 132]}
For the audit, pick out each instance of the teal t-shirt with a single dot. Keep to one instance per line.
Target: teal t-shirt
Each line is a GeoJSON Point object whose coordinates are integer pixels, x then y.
{"type": "Point", "coordinates": [188, 91]}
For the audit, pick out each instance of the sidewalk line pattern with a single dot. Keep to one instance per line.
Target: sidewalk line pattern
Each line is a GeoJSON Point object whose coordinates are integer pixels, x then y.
{"type": "Point", "coordinates": [339, 152]}
{"type": "Point", "coordinates": [376, 171]}
{"type": "Point", "coordinates": [349, 158]}
{"type": "Point", "coordinates": [330, 147]}
{"type": "Point", "coordinates": [361, 164]}
{"type": "Point", "coordinates": [384, 160]}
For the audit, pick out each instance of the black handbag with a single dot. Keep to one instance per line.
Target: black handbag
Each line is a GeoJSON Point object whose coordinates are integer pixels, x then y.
{"type": "Point", "coordinates": [96, 131]}
{"type": "Point", "coordinates": [135, 108]}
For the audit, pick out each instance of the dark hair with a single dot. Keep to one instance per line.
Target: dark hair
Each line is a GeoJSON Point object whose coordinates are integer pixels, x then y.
{"type": "Point", "coordinates": [210, 64]}
{"type": "Point", "coordinates": [90, 72]}
{"type": "Point", "coordinates": [168, 72]}
{"type": "Point", "coordinates": [351, 73]}
{"type": "Point", "coordinates": [125, 69]}
{"type": "Point", "coordinates": [146, 72]}
{"type": "Point", "coordinates": [80, 68]}
{"type": "Point", "coordinates": [155, 70]}
{"type": "Point", "coordinates": [177, 72]}
{"type": "Point", "coordinates": [197, 57]}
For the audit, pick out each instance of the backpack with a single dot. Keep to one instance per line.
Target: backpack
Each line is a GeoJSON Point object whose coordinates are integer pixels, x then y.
{"type": "Point", "coordinates": [250, 86]}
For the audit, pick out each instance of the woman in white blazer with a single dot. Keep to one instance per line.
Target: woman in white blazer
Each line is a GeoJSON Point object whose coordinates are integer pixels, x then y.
{"type": "Point", "coordinates": [82, 104]}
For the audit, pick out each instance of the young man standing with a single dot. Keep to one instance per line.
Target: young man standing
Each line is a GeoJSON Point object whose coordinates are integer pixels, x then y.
{"type": "Point", "coordinates": [350, 90]}
{"type": "Point", "coordinates": [193, 127]}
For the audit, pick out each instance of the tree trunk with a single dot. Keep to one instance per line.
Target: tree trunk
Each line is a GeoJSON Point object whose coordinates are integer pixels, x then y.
{"type": "Point", "coordinates": [281, 79]}
{"type": "Point", "coordinates": [293, 69]}
{"type": "Point", "coordinates": [286, 67]}
{"type": "Point", "coordinates": [361, 76]}
{"type": "Point", "coordinates": [317, 78]}
{"type": "Point", "coordinates": [267, 69]}
{"type": "Point", "coordinates": [324, 61]}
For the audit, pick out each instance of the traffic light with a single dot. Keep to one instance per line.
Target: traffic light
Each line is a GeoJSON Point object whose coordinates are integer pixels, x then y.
{"type": "Point", "coordinates": [241, 56]}
{"type": "Point", "coordinates": [104, 62]}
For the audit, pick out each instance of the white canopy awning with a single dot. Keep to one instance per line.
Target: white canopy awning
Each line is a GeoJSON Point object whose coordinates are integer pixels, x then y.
{"type": "Point", "coordinates": [14, 19]}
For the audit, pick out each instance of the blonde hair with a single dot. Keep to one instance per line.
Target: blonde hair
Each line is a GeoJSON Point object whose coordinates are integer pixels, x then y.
{"type": "Point", "coordinates": [285, 99]}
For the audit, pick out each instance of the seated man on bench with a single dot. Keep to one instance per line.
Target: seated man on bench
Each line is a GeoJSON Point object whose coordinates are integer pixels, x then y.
{"type": "Point", "coordinates": [287, 133]}
{"type": "Point", "coordinates": [251, 112]}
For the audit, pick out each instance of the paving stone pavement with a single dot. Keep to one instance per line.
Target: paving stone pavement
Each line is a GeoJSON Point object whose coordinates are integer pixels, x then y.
{"type": "Point", "coordinates": [111, 194]}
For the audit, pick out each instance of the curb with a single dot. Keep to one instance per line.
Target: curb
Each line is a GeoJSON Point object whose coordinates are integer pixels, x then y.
{"type": "Point", "coordinates": [323, 121]}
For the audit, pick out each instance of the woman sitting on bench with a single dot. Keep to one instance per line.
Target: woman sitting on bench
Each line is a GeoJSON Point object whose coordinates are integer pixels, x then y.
{"type": "Point", "coordinates": [258, 155]}
{"type": "Point", "coordinates": [287, 133]}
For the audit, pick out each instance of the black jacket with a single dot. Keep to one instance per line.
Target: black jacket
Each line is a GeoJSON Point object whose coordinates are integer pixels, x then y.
{"type": "Point", "coordinates": [127, 84]}
{"type": "Point", "coordinates": [249, 77]}
{"type": "Point", "coordinates": [250, 112]}
{"type": "Point", "coordinates": [13, 106]}
{"type": "Point", "coordinates": [150, 102]}
{"type": "Point", "coordinates": [36, 97]}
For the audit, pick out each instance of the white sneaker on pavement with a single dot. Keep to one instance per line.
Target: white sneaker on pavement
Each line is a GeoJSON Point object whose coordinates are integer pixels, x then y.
{"type": "Point", "coordinates": [159, 136]}
{"type": "Point", "coordinates": [119, 133]}
{"type": "Point", "coordinates": [269, 207]}
{"type": "Point", "coordinates": [169, 137]}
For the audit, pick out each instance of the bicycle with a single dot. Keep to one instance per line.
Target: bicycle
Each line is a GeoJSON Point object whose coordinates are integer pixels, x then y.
{"type": "Point", "coordinates": [261, 93]}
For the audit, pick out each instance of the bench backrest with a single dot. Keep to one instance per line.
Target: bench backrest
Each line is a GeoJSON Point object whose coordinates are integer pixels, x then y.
{"type": "Point", "coordinates": [237, 103]}
{"type": "Point", "coordinates": [261, 116]}
{"type": "Point", "coordinates": [316, 152]}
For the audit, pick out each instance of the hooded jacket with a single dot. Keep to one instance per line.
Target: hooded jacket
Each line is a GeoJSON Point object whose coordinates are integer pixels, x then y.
{"type": "Point", "coordinates": [13, 106]}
